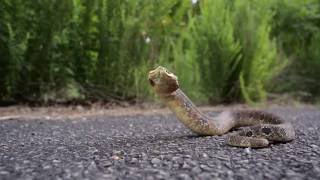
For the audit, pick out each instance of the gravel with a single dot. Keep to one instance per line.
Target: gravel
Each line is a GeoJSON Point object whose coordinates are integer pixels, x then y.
{"type": "Point", "coordinates": [151, 147]}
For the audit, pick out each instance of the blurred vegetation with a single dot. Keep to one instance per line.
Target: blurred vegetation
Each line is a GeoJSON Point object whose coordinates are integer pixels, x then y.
{"type": "Point", "coordinates": [222, 50]}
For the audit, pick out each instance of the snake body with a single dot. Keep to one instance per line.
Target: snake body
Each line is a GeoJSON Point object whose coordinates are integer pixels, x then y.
{"type": "Point", "coordinates": [257, 128]}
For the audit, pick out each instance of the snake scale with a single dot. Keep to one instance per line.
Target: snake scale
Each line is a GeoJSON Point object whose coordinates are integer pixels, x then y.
{"type": "Point", "coordinates": [253, 128]}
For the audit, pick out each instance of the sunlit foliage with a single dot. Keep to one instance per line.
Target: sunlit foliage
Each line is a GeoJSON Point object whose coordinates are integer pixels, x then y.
{"type": "Point", "coordinates": [222, 50]}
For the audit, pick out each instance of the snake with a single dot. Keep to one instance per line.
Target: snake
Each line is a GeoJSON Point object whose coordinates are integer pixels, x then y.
{"type": "Point", "coordinates": [243, 127]}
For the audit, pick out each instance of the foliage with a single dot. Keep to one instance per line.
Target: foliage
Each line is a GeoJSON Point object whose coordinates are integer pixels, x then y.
{"type": "Point", "coordinates": [211, 51]}
{"type": "Point", "coordinates": [259, 62]}
{"type": "Point", "coordinates": [234, 53]}
{"type": "Point", "coordinates": [297, 29]}
{"type": "Point", "coordinates": [222, 51]}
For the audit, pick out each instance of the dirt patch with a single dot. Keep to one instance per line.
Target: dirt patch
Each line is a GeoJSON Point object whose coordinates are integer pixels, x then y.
{"type": "Point", "coordinates": [74, 112]}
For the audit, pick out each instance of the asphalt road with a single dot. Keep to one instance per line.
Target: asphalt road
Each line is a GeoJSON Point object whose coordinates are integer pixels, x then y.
{"type": "Point", "coordinates": [151, 147]}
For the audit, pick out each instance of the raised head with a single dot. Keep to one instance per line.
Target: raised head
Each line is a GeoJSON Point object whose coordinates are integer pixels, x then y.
{"type": "Point", "coordinates": [163, 81]}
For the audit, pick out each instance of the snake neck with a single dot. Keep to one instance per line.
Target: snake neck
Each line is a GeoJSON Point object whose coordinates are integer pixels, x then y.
{"type": "Point", "coordinates": [202, 124]}
{"type": "Point", "coordinates": [191, 116]}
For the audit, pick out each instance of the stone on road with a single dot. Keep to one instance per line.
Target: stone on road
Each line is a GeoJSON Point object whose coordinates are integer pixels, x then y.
{"type": "Point", "coordinates": [151, 147]}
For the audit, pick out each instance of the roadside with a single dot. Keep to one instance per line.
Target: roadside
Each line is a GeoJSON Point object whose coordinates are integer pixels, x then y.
{"type": "Point", "coordinates": [97, 110]}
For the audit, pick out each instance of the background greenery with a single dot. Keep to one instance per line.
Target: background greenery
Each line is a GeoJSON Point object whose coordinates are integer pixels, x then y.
{"type": "Point", "coordinates": [222, 50]}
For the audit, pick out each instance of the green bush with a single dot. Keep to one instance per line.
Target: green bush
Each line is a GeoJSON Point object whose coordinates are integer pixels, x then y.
{"type": "Point", "coordinates": [209, 52]}
{"type": "Point", "coordinates": [259, 62]}
{"type": "Point", "coordinates": [229, 50]}
{"type": "Point", "coordinates": [296, 27]}
{"type": "Point", "coordinates": [222, 51]}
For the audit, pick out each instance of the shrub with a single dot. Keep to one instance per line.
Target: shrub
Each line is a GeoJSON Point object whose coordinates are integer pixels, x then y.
{"type": "Point", "coordinates": [222, 51]}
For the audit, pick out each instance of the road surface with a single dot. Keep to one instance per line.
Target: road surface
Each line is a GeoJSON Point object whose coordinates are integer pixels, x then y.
{"type": "Point", "coordinates": [150, 147]}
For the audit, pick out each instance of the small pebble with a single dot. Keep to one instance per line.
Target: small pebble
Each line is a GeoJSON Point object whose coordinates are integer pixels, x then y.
{"type": "Point", "coordinates": [134, 160]}
{"type": "Point", "coordinates": [205, 156]}
{"type": "Point", "coordinates": [196, 170]}
{"type": "Point", "coordinates": [115, 157]}
{"type": "Point", "coordinates": [4, 172]}
{"type": "Point", "coordinates": [56, 161]}
{"type": "Point", "coordinates": [314, 146]}
{"type": "Point", "coordinates": [155, 161]}
{"type": "Point", "coordinates": [248, 150]}
{"type": "Point", "coordinates": [46, 167]}
{"type": "Point", "coordinates": [184, 176]}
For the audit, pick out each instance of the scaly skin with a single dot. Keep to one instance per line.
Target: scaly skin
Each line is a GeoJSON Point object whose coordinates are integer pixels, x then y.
{"type": "Point", "coordinates": [262, 127]}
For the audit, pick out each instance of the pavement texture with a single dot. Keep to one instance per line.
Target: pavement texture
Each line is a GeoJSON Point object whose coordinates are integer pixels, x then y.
{"type": "Point", "coordinates": [151, 147]}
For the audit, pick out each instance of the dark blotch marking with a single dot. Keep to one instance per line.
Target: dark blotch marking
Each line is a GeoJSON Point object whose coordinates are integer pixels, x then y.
{"type": "Point", "coordinates": [266, 130]}
{"type": "Point", "coordinates": [249, 133]}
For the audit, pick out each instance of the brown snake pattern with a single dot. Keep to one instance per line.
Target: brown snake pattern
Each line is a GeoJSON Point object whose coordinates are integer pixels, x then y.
{"type": "Point", "coordinates": [256, 128]}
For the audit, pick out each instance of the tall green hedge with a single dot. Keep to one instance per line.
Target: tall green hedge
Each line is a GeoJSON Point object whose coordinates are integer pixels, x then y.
{"type": "Point", "coordinates": [297, 29]}
{"type": "Point", "coordinates": [222, 51]}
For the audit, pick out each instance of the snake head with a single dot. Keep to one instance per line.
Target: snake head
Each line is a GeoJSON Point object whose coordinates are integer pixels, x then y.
{"type": "Point", "coordinates": [163, 81]}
